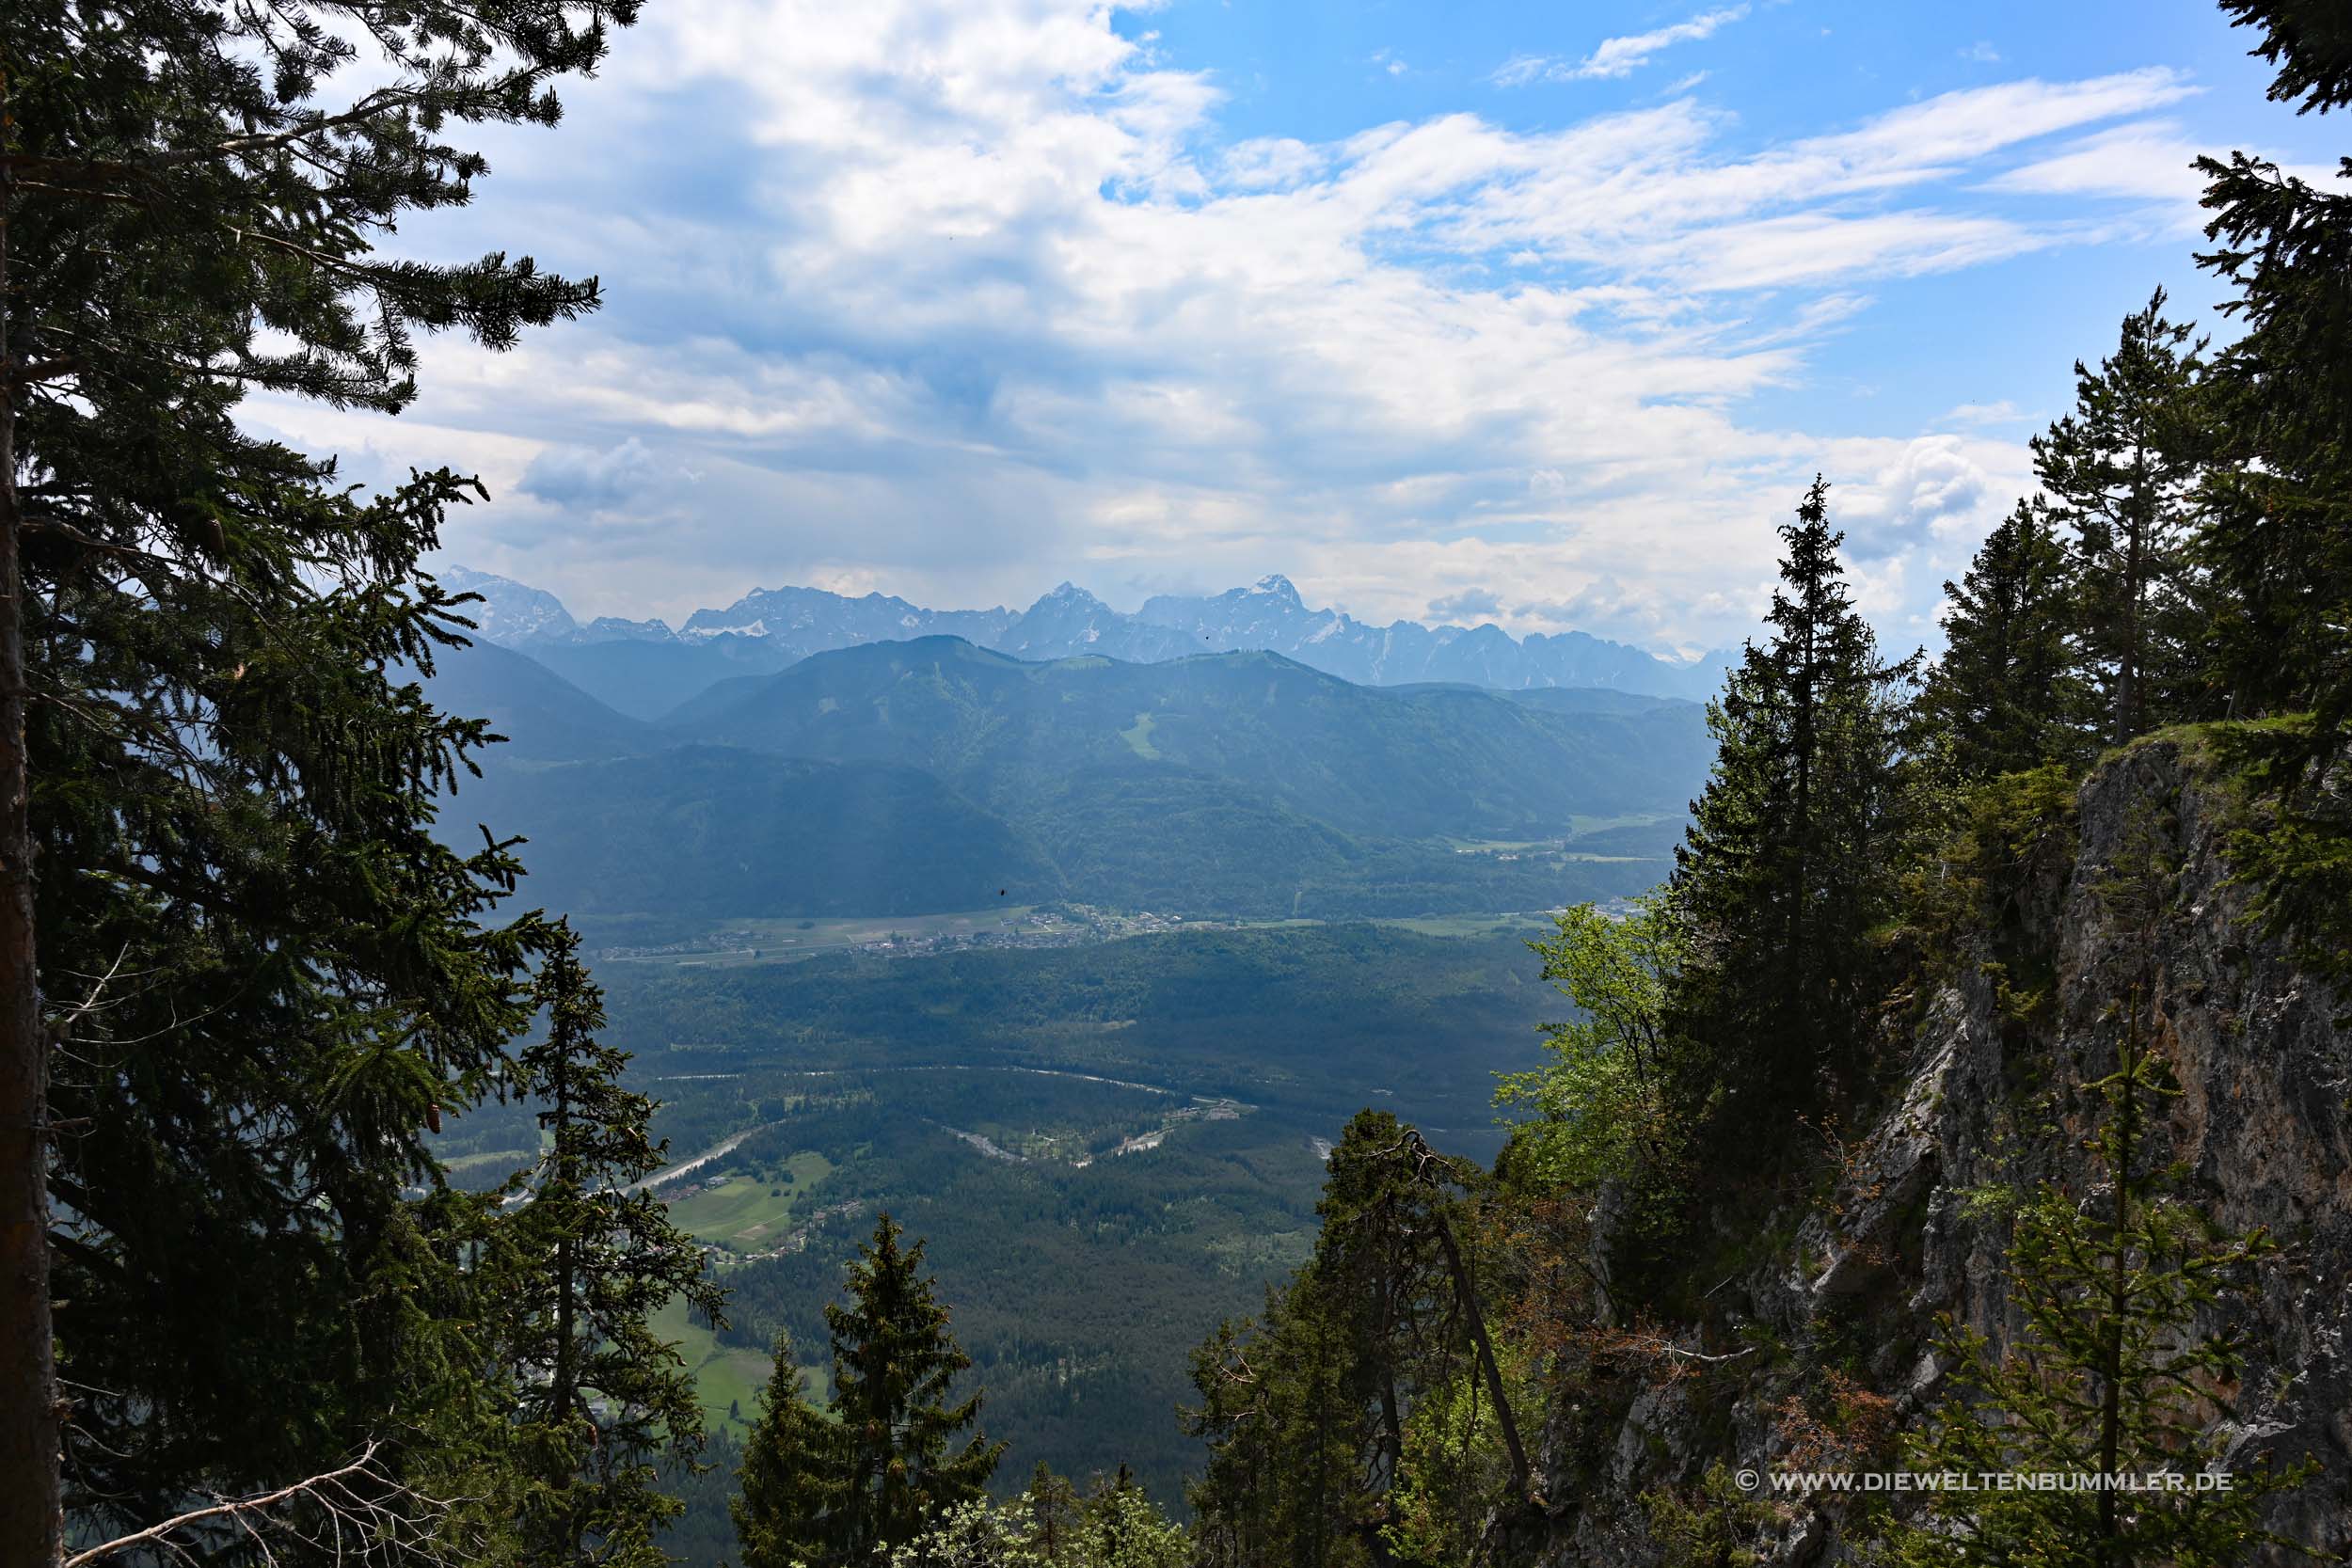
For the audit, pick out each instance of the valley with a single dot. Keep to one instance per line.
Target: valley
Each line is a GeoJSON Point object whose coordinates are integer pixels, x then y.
{"type": "Point", "coordinates": [1075, 967]}
{"type": "Point", "coordinates": [1110, 1145]}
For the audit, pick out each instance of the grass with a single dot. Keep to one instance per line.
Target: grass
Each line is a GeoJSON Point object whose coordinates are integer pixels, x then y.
{"type": "Point", "coordinates": [513, 1159]}
{"type": "Point", "coordinates": [727, 1378]}
{"type": "Point", "coordinates": [742, 1215]}
{"type": "Point", "coordinates": [1580, 825]}
{"type": "Point", "coordinates": [1139, 737]}
{"type": "Point", "coordinates": [745, 1215]}
{"type": "Point", "coordinates": [784, 940]}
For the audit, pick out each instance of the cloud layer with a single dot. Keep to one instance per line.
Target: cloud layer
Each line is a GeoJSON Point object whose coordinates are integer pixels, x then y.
{"type": "Point", "coordinates": [958, 300]}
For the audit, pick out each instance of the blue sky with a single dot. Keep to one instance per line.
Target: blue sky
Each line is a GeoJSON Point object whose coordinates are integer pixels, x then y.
{"type": "Point", "coordinates": [1560, 304]}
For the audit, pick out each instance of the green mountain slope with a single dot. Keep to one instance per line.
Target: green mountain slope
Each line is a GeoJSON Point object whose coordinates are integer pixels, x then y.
{"type": "Point", "coordinates": [543, 717]}
{"type": "Point", "coordinates": [646, 680]}
{"type": "Point", "coordinates": [931, 776]}
{"type": "Point", "coordinates": [711, 831]}
{"type": "Point", "coordinates": [1411, 762]}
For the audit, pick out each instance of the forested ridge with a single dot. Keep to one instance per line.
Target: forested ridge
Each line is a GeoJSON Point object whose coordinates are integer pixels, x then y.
{"type": "Point", "coordinates": [1967, 1099]}
{"type": "Point", "coordinates": [931, 775]}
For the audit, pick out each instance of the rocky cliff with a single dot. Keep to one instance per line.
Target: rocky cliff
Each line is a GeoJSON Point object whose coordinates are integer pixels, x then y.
{"type": "Point", "coordinates": [1990, 1096]}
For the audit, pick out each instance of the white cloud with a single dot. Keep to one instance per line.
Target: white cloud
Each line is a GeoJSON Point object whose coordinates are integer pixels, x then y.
{"type": "Point", "coordinates": [1617, 56]}
{"type": "Point", "coordinates": [962, 300]}
{"type": "Point", "coordinates": [2000, 411]}
{"type": "Point", "coordinates": [2147, 160]}
{"type": "Point", "coordinates": [1468, 605]}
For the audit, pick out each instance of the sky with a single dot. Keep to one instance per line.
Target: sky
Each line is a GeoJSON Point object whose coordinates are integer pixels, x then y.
{"type": "Point", "coordinates": [1537, 313]}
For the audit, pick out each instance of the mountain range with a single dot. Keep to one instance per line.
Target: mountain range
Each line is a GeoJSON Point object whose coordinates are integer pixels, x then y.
{"type": "Point", "coordinates": [643, 669]}
{"type": "Point", "coordinates": [932, 774]}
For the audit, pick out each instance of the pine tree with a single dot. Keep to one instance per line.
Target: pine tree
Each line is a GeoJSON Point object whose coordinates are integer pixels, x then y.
{"type": "Point", "coordinates": [604, 1398]}
{"type": "Point", "coordinates": [2110, 1375]}
{"type": "Point", "coordinates": [888, 1462]}
{"type": "Point", "coordinates": [2005, 696]}
{"type": "Point", "coordinates": [2122, 470]}
{"type": "Point", "coordinates": [1788, 861]}
{"type": "Point", "coordinates": [238, 976]}
{"type": "Point", "coordinates": [2279, 532]}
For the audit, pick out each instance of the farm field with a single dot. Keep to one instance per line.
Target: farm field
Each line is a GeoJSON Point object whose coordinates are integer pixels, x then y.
{"type": "Point", "coordinates": [750, 1211]}
{"type": "Point", "coordinates": [727, 1378]}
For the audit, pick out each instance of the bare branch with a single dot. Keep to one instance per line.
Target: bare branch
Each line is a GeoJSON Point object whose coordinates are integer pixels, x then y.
{"type": "Point", "coordinates": [360, 1512]}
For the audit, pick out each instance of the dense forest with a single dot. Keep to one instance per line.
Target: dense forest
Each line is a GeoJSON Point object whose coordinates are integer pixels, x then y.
{"type": "Point", "coordinates": [1915, 1121]}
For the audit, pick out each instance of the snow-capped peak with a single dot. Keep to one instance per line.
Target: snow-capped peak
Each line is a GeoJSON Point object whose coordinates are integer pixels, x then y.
{"type": "Point", "coordinates": [1277, 586]}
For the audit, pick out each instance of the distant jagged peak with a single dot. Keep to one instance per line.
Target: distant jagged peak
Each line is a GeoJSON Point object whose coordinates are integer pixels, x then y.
{"type": "Point", "coordinates": [613, 628]}
{"type": "Point", "coordinates": [1069, 593]}
{"type": "Point", "coordinates": [1274, 585]}
{"type": "Point", "coordinates": [789, 621]}
{"type": "Point", "coordinates": [509, 612]}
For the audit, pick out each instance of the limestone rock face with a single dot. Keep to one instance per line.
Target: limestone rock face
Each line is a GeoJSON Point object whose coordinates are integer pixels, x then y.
{"type": "Point", "coordinates": [2262, 1124]}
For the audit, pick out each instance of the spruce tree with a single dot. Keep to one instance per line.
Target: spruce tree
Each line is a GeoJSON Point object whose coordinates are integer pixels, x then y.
{"type": "Point", "coordinates": [2005, 696]}
{"type": "Point", "coordinates": [1788, 861]}
{"type": "Point", "coordinates": [889, 1462]}
{"type": "Point", "coordinates": [1377, 1277]}
{"type": "Point", "coordinates": [239, 979]}
{"type": "Point", "coordinates": [2278, 538]}
{"type": "Point", "coordinates": [2122, 470]}
{"type": "Point", "coordinates": [604, 1400]}
{"type": "Point", "coordinates": [794, 1478]}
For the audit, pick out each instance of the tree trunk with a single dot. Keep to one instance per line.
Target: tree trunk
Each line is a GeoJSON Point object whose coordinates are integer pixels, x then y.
{"type": "Point", "coordinates": [31, 1517]}
{"type": "Point", "coordinates": [1467, 1292]}
{"type": "Point", "coordinates": [2143, 519]}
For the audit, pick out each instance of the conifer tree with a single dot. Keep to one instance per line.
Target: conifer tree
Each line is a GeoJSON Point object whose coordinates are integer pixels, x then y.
{"type": "Point", "coordinates": [2122, 470]}
{"type": "Point", "coordinates": [1286, 1479]}
{"type": "Point", "coordinates": [1788, 864]}
{"type": "Point", "coordinates": [603, 1398]}
{"type": "Point", "coordinates": [1377, 1277]}
{"type": "Point", "coordinates": [889, 1462]}
{"type": "Point", "coordinates": [794, 1475]}
{"type": "Point", "coordinates": [238, 976]}
{"type": "Point", "coordinates": [2278, 537]}
{"type": "Point", "coordinates": [2007, 696]}
{"type": "Point", "coordinates": [1307, 1408]}
{"type": "Point", "coordinates": [1052, 1506]}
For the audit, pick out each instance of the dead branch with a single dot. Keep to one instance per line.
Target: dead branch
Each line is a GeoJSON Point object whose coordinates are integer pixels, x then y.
{"type": "Point", "coordinates": [1659, 1347]}
{"type": "Point", "coordinates": [359, 1514]}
